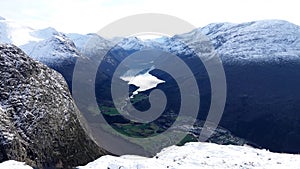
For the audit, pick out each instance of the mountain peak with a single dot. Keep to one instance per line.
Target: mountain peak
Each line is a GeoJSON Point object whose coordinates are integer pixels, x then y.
{"type": "Point", "coordinates": [45, 33]}
{"type": "Point", "coordinates": [1, 18]}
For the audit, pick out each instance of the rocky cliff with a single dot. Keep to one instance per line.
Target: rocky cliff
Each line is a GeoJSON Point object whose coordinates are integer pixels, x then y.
{"type": "Point", "coordinates": [39, 121]}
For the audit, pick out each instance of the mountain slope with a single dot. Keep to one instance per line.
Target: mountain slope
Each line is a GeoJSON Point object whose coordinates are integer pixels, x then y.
{"type": "Point", "coordinates": [53, 51]}
{"type": "Point", "coordinates": [258, 41]}
{"type": "Point", "coordinates": [262, 62]}
{"type": "Point", "coordinates": [39, 120]}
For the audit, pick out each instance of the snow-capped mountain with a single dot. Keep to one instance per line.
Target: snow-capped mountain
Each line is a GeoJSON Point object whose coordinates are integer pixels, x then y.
{"type": "Point", "coordinates": [259, 41]}
{"type": "Point", "coordinates": [168, 44]}
{"type": "Point", "coordinates": [136, 44]}
{"type": "Point", "coordinates": [201, 155]}
{"type": "Point", "coordinates": [89, 44]}
{"type": "Point", "coordinates": [267, 40]}
{"type": "Point", "coordinates": [53, 51]}
{"type": "Point", "coordinates": [39, 121]}
{"type": "Point", "coordinates": [46, 45]}
{"type": "Point", "coordinates": [45, 33]}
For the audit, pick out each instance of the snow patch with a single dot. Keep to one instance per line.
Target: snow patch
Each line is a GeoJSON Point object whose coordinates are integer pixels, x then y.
{"type": "Point", "coordinates": [11, 164]}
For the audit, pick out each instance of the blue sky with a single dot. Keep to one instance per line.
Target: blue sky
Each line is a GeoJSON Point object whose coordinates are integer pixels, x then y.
{"type": "Point", "coordinates": [85, 16]}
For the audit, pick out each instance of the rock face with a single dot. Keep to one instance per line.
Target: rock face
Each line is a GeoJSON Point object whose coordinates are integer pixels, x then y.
{"type": "Point", "coordinates": [39, 121]}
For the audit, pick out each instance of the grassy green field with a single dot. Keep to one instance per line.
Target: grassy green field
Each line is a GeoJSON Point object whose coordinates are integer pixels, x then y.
{"type": "Point", "coordinates": [111, 111]}
{"type": "Point", "coordinates": [145, 132]}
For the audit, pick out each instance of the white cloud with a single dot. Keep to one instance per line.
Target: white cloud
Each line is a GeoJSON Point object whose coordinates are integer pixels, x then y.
{"type": "Point", "coordinates": [85, 16]}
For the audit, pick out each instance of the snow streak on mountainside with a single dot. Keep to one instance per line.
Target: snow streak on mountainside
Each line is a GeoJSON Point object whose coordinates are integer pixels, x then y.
{"type": "Point", "coordinates": [201, 155]}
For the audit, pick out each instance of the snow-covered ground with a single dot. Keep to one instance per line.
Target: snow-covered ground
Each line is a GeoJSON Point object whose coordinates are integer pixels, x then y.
{"type": "Point", "coordinates": [192, 156]}
{"type": "Point", "coordinates": [201, 155]}
{"type": "Point", "coordinates": [14, 165]}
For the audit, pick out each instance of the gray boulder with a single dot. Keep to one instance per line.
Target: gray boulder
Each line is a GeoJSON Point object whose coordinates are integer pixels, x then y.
{"type": "Point", "coordinates": [39, 121]}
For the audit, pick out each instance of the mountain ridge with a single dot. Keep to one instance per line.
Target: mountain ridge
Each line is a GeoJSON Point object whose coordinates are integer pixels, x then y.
{"type": "Point", "coordinates": [224, 35]}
